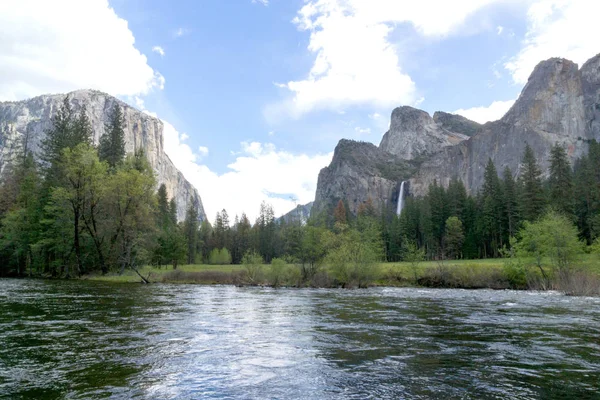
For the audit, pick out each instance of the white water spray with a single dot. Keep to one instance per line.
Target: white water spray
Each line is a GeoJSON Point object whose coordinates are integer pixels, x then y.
{"type": "Point", "coordinates": [400, 199]}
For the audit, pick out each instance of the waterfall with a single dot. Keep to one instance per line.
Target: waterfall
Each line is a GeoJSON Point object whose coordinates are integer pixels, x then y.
{"type": "Point", "coordinates": [400, 199]}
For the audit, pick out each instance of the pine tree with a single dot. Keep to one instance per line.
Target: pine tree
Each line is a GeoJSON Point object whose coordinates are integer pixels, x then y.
{"type": "Point", "coordinates": [112, 143]}
{"type": "Point", "coordinates": [511, 204]}
{"type": "Point", "coordinates": [191, 231]}
{"type": "Point", "coordinates": [339, 213]}
{"type": "Point", "coordinates": [532, 200]}
{"type": "Point", "coordinates": [163, 206]}
{"type": "Point", "coordinates": [560, 181]}
{"type": "Point", "coordinates": [493, 208]}
{"type": "Point", "coordinates": [172, 212]}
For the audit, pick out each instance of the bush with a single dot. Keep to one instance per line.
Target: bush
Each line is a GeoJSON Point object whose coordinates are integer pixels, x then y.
{"type": "Point", "coordinates": [352, 261]}
{"type": "Point", "coordinates": [219, 257]}
{"type": "Point", "coordinates": [253, 262]}
{"type": "Point", "coordinates": [276, 272]}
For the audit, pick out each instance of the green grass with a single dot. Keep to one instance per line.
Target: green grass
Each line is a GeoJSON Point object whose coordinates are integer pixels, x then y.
{"type": "Point", "coordinates": [385, 274]}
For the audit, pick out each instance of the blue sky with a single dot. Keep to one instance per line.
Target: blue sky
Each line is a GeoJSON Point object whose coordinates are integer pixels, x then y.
{"type": "Point", "coordinates": [256, 94]}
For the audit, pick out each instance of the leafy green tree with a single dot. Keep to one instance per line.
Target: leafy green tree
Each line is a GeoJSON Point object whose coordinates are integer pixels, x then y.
{"type": "Point", "coordinates": [454, 237]}
{"type": "Point", "coordinates": [553, 236]}
{"type": "Point", "coordinates": [353, 260]}
{"type": "Point", "coordinates": [112, 143]}
{"type": "Point", "coordinates": [532, 199]}
{"type": "Point", "coordinates": [82, 170]}
{"type": "Point", "coordinates": [131, 204]}
{"type": "Point", "coordinates": [253, 263]}
{"type": "Point", "coordinates": [413, 255]}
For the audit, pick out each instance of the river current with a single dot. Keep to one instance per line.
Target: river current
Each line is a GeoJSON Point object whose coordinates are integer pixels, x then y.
{"type": "Point", "coordinates": [87, 340]}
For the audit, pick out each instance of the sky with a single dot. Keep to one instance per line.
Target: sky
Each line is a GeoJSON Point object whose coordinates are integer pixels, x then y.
{"type": "Point", "coordinates": [255, 94]}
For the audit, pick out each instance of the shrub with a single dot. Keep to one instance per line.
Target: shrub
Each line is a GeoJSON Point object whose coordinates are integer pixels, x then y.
{"type": "Point", "coordinates": [276, 272]}
{"type": "Point", "coordinates": [219, 257]}
{"type": "Point", "coordinates": [252, 262]}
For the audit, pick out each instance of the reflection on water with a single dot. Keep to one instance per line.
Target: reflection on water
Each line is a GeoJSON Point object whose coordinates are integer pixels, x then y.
{"type": "Point", "coordinates": [97, 340]}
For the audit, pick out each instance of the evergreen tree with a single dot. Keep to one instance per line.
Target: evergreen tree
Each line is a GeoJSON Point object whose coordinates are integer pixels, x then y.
{"type": "Point", "coordinates": [191, 231]}
{"type": "Point", "coordinates": [532, 199]}
{"type": "Point", "coordinates": [454, 237]}
{"type": "Point", "coordinates": [163, 207]}
{"type": "Point", "coordinates": [172, 212]}
{"type": "Point", "coordinates": [511, 204]}
{"type": "Point", "coordinates": [560, 181]}
{"type": "Point", "coordinates": [493, 209]}
{"type": "Point", "coordinates": [112, 143]}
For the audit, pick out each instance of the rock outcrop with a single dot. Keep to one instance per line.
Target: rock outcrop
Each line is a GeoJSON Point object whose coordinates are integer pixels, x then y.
{"type": "Point", "coordinates": [559, 104]}
{"type": "Point", "coordinates": [29, 120]}
{"type": "Point", "coordinates": [360, 171]}
{"type": "Point", "coordinates": [415, 135]}
{"type": "Point", "coordinates": [551, 109]}
{"type": "Point", "coordinates": [298, 214]}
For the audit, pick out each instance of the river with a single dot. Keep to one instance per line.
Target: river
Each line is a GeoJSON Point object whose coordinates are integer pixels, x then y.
{"type": "Point", "coordinates": [86, 340]}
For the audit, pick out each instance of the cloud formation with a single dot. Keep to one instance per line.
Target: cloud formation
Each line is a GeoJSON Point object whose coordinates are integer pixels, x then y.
{"type": "Point", "coordinates": [484, 114]}
{"type": "Point", "coordinates": [260, 172]}
{"type": "Point", "coordinates": [159, 50]}
{"type": "Point", "coordinates": [557, 28]}
{"type": "Point", "coordinates": [59, 46]}
{"type": "Point", "coordinates": [355, 61]}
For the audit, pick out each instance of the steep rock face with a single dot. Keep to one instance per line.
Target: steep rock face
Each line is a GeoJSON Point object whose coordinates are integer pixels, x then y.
{"type": "Point", "coordinates": [456, 123]}
{"type": "Point", "coordinates": [298, 214]}
{"type": "Point", "coordinates": [28, 121]}
{"type": "Point", "coordinates": [415, 135]}
{"type": "Point", "coordinates": [549, 110]}
{"type": "Point", "coordinates": [360, 171]}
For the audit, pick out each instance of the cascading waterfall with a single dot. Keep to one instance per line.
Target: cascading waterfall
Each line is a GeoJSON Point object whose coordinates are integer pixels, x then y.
{"type": "Point", "coordinates": [400, 199]}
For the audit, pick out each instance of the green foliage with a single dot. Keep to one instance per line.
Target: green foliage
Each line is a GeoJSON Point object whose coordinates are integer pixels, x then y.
{"type": "Point", "coordinates": [414, 255]}
{"type": "Point", "coordinates": [276, 272]}
{"type": "Point", "coordinates": [553, 236]}
{"type": "Point", "coordinates": [253, 263]}
{"type": "Point", "coordinates": [454, 237]}
{"type": "Point", "coordinates": [532, 198]}
{"type": "Point", "coordinates": [220, 257]}
{"type": "Point", "coordinates": [112, 144]}
{"type": "Point", "coordinates": [352, 260]}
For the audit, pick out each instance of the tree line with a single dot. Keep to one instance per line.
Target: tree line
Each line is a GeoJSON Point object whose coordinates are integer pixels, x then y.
{"type": "Point", "coordinates": [448, 223]}
{"type": "Point", "coordinates": [83, 208]}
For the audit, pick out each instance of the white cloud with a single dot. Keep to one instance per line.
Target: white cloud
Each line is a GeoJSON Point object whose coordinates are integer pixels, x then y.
{"type": "Point", "coordinates": [59, 46]}
{"type": "Point", "coordinates": [499, 29]}
{"type": "Point", "coordinates": [159, 50]}
{"type": "Point", "coordinates": [355, 61]}
{"type": "Point", "coordinates": [179, 32]}
{"type": "Point", "coordinates": [493, 112]}
{"type": "Point", "coordinates": [362, 131]}
{"type": "Point", "coordinates": [263, 2]}
{"type": "Point", "coordinates": [557, 28]}
{"type": "Point", "coordinates": [375, 116]}
{"type": "Point", "coordinates": [260, 172]}
{"type": "Point", "coordinates": [203, 151]}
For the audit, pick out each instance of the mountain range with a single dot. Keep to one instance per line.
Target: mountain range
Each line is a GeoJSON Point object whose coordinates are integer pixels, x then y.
{"type": "Point", "coordinates": [559, 104]}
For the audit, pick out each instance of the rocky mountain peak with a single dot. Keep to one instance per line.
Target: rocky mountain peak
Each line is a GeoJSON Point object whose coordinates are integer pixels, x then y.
{"type": "Point", "coordinates": [456, 123]}
{"type": "Point", "coordinates": [29, 120]}
{"type": "Point", "coordinates": [552, 99]}
{"type": "Point", "coordinates": [414, 135]}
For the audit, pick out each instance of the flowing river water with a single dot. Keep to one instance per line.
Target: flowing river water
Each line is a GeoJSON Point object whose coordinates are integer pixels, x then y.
{"type": "Point", "coordinates": [86, 340]}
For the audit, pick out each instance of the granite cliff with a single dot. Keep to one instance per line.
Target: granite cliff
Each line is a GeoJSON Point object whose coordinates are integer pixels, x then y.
{"type": "Point", "coordinates": [559, 104]}
{"type": "Point", "coordinates": [29, 120]}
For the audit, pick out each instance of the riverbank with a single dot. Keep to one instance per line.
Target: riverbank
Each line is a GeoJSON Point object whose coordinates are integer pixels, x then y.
{"type": "Point", "coordinates": [584, 278]}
